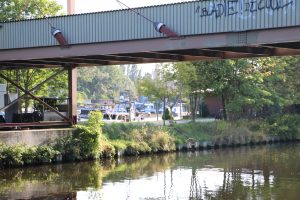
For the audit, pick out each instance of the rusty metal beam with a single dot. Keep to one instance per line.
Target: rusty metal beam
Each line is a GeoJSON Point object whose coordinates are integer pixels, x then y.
{"type": "Point", "coordinates": [154, 56]}
{"type": "Point", "coordinates": [258, 50]}
{"type": "Point", "coordinates": [286, 51]}
{"type": "Point", "coordinates": [34, 124]}
{"type": "Point", "coordinates": [294, 45]}
{"type": "Point", "coordinates": [199, 53]}
{"type": "Point", "coordinates": [111, 58]}
{"type": "Point", "coordinates": [74, 61]}
{"type": "Point", "coordinates": [21, 65]}
{"type": "Point", "coordinates": [72, 91]}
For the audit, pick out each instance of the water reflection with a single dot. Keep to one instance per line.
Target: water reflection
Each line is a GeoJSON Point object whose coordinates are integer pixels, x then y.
{"type": "Point", "coordinates": [244, 173]}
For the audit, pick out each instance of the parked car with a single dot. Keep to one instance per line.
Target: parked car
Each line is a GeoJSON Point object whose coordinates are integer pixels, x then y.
{"type": "Point", "coordinates": [149, 108]}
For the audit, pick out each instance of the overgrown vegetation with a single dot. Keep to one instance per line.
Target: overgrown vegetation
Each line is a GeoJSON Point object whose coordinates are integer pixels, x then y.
{"type": "Point", "coordinates": [284, 126]}
{"type": "Point", "coordinates": [12, 156]}
{"type": "Point", "coordinates": [86, 141]}
{"type": "Point", "coordinates": [95, 140]}
{"type": "Point", "coordinates": [136, 139]}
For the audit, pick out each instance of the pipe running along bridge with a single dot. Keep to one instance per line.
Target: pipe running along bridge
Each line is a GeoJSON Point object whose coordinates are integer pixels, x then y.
{"type": "Point", "coordinates": [200, 30]}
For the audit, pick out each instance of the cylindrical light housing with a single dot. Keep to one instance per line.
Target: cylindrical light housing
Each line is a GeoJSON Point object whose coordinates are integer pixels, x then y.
{"type": "Point", "coordinates": [59, 37]}
{"type": "Point", "coordinates": [162, 28]}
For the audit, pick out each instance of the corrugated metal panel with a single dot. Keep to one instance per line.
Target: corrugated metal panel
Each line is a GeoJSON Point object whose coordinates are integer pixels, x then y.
{"type": "Point", "coordinates": [189, 18]}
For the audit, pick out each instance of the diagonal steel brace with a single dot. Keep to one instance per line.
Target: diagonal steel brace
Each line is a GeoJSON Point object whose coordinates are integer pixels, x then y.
{"type": "Point", "coordinates": [33, 97]}
{"type": "Point", "coordinates": [31, 90]}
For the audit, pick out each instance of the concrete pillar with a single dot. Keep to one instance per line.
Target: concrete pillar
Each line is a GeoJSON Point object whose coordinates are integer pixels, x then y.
{"type": "Point", "coordinates": [72, 86]}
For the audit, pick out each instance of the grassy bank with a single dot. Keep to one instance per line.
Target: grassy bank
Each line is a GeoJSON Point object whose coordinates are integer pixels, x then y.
{"type": "Point", "coordinates": [95, 140]}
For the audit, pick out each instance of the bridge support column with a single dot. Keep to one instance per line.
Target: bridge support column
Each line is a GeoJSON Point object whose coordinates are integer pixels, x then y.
{"type": "Point", "coordinates": [72, 85]}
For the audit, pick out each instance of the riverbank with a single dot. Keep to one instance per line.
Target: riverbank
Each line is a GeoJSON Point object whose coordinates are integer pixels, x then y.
{"type": "Point", "coordinates": [90, 141]}
{"type": "Point", "coordinates": [134, 139]}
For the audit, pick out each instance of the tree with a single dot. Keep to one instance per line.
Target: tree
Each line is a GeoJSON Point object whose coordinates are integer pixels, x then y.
{"type": "Point", "coordinates": [246, 86]}
{"type": "Point", "coordinates": [106, 82]}
{"type": "Point", "coordinates": [162, 86]}
{"type": "Point", "coordinates": [133, 72]}
{"type": "Point", "coordinates": [186, 75]}
{"type": "Point", "coordinates": [27, 9]}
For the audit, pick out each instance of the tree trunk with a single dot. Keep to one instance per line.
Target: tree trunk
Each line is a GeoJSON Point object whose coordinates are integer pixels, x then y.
{"type": "Point", "coordinates": [164, 111]}
{"type": "Point", "coordinates": [224, 107]}
{"type": "Point", "coordinates": [194, 105]}
{"type": "Point", "coordinates": [18, 91]}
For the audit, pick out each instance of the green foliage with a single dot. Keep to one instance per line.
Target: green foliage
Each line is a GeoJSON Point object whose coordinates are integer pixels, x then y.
{"type": "Point", "coordinates": [161, 141]}
{"type": "Point", "coordinates": [105, 82]}
{"type": "Point", "coordinates": [136, 139]}
{"type": "Point", "coordinates": [95, 121]}
{"type": "Point", "coordinates": [44, 154]}
{"type": "Point", "coordinates": [19, 155]}
{"type": "Point", "coordinates": [162, 86]}
{"type": "Point", "coordinates": [287, 126]}
{"type": "Point", "coordinates": [25, 9]}
{"type": "Point", "coordinates": [247, 86]}
{"type": "Point", "coordinates": [85, 143]}
{"type": "Point", "coordinates": [167, 115]}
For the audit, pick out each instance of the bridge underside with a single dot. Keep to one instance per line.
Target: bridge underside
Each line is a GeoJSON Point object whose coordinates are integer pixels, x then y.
{"type": "Point", "coordinates": [233, 45]}
{"type": "Point", "coordinates": [258, 43]}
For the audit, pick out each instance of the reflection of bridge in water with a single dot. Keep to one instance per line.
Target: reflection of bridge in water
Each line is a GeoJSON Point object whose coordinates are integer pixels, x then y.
{"type": "Point", "coordinates": [207, 30]}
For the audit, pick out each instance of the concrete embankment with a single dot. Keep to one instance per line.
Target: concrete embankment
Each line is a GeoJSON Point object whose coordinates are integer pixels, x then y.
{"type": "Point", "coordinates": [232, 142]}
{"type": "Point", "coordinates": [34, 137]}
{"type": "Point", "coordinates": [215, 144]}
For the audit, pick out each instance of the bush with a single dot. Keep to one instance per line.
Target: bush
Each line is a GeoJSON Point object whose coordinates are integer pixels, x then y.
{"type": "Point", "coordinates": [11, 156]}
{"type": "Point", "coordinates": [19, 155]}
{"type": "Point", "coordinates": [161, 141]}
{"type": "Point", "coordinates": [85, 142]}
{"type": "Point", "coordinates": [45, 154]}
{"type": "Point", "coordinates": [138, 139]}
{"type": "Point", "coordinates": [167, 115]}
{"type": "Point", "coordinates": [287, 126]}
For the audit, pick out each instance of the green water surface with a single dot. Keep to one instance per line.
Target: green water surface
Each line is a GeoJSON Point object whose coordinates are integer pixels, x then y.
{"type": "Point", "coordinates": [261, 172]}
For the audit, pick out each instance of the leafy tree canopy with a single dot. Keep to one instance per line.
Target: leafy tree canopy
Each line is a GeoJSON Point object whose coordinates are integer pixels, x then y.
{"type": "Point", "coordinates": [106, 82]}
{"type": "Point", "coordinates": [27, 9]}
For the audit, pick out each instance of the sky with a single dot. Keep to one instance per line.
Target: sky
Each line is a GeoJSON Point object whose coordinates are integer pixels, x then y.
{"type": "Point", "coordinates": [86, 6]}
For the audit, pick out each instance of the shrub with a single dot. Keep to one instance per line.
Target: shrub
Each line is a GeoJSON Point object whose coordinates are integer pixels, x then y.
{"type": "Point", "coordinates": [45, 154]}
{"type": "Point", "coordinates": [85, 142]}
{"type": "Point", "coordinates": [29, 156]}
{"type": "Point", "coordinates": [161, 141]}
{"type": "Point", "coordinates": [19, 155]}
{"type": "Point", "coordinates": [284, 125]}
{"type": "Point", "coordinates": [167, 115]}
{"type": "Point", "coordinates": [11, 156]}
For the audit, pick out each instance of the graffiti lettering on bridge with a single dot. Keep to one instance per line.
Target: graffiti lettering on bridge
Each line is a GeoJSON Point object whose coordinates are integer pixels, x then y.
{"type": "Point", "coordinates": [225, 8]}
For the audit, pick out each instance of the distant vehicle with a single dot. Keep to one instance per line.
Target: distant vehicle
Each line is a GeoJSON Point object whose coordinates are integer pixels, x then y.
{"type": "Point", "coordinates": [149, 108]}
{"type": "Point", "coordinates": [180, 109]}
{"type": "Point", "coordinates": [84, 113]}
{"type": "Point", "coordinates": [139, 107]}
{"type": "Point", "coordinates": [124, 111]}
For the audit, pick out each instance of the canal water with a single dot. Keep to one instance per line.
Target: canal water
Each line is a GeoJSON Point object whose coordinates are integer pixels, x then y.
{"type": "Point", "coordinates": [261, 172]}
